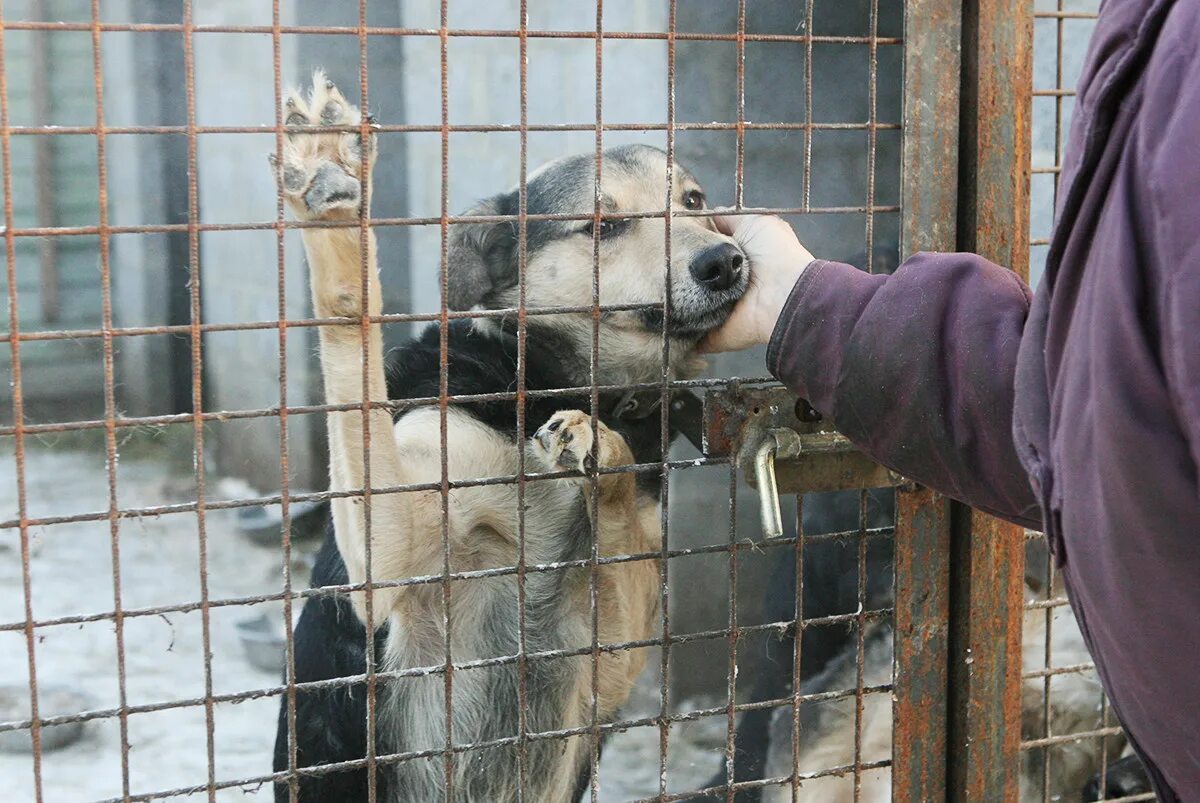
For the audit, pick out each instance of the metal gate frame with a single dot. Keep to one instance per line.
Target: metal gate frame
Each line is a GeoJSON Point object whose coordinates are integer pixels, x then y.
{"type": "Point", "coordinates": [959, 579]}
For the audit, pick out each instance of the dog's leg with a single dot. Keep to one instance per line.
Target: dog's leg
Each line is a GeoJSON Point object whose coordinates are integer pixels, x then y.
{"type": "Point", "coordinates": [626, 524]}
{"type": "Point", "coordinates": [320, 175]}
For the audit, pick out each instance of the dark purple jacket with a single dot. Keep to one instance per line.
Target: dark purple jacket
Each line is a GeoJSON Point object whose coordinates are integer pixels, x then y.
{"type": "Point", "coordinates": [1077, 410]}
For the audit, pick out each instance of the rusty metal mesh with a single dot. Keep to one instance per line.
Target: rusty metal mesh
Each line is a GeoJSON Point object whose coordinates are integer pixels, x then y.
{"type": "Point", "coordinates": [23, 528]}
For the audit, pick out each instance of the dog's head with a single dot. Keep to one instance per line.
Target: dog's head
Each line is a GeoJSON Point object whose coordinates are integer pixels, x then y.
{"type": "Point", "coordinates": [708, 272]}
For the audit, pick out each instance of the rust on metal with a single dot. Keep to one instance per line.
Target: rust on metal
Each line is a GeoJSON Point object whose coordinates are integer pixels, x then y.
{"type": "Point", "coordinates": [929, 197]}
{"type": "Point", "coordinates": [922, 631]}
{"type": "Point", "coordinates": [988, 554]}
{"type": "Point", "coordinates": [825, 460]}
{"type": "Point", "coordinates": [44, 167]}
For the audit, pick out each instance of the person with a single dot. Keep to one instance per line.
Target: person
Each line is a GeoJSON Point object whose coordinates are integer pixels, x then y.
{"type": "Point", "coordinates": [1075, 411]}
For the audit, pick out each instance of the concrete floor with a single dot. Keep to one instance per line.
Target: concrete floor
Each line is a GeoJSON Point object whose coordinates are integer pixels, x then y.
{"type": "Point", "coordinates": [71, 568]}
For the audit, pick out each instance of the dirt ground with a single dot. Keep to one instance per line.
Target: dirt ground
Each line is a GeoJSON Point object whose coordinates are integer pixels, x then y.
{"type": "Point", "coordinates": [159, 561]}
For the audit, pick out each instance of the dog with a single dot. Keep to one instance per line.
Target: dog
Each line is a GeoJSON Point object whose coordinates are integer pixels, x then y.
{"type": "Point", "coordinates": [477, 621]}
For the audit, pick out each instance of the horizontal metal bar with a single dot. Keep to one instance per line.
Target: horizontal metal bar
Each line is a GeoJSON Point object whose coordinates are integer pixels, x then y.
{"type": "Point", "coordinates": [478, 482]}
{"type": "Point", "coordinates": [502, 571]}
{"type": "Point", "coordinates": [1041, 604]}
{"type": "Point", "coordinates": [1053, 93]}
{"type": "Point", "coordinates": [275, 225]}
{"type": "Point", "coordinates": [325, 30]}
{"type": "Point", "coordinates": [1074, 669]}
{"type": "Point", "coordinates": [839, 771]}
{"type": "Point", "coordinates": [327, 769]}
{"type": "Point", "coordinates": [498, 128]}
{"type": "Point", "coordinates": [276, 691]}
{"type": "Point", "coordinates": [1049, 741]}
{"type": "Point", "coordinates": [398, 317]}
{"type": "Point", "coordinates": [1066, 15]}
{"type": "Point", "coordinates": [394, 406]}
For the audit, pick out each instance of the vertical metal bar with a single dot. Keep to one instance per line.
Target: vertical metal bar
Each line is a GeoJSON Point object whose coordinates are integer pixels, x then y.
{"type": "Point", "coordinates": [806, 193]}
{"type": "Point", "coordinates": [284, 469]}
{"type": "Point", "coordinates": [929, 203]}
{"type": "Point", "coordinates": [664, 421]}
{"type": "Point", "coordinates": [860, 625]}
{"type": "Point", "coordinates": [987, 600]}
{"type": "Point", "coordinates": [106, 281]}
{"type": "Point", "coordinates": [43, 164]}
{"type": "Point", "coordinates": [18, 402]}
{"type": "Point", "coordinates": [444, 400]}
{"type": "Point", "coordinates": [1104, 709]}
{"type": "Point", "coordinates": [734, 635]}
{"type": "Point", "coordinates": [797, 643]}
{"type": "Point", "coordinates": [197, 355]}
{"type": "Point", "coordinates": [594, 405]}
{"type": "Point", "coordinates": [919, 714]}
{"type": "Point", "coordinates": [872, 132]}
{"type": "Point", "coordinates": [929, 171]}
{"type": "Point", "coordinates": [740, 169]}
{"type": "Point", "coordinates": [1049, 574]}
{"type": "Point", "coordinates": [738, 202]}
{"type": "Point", "coordinates": [522, 263]}
{"type": "Point", "coordinates": [1058, 101]}
{"type": "Point", "coordinates": [365, 324]}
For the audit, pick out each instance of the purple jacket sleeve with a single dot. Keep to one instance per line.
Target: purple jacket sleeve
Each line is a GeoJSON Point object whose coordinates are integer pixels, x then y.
{"type": "Point", "coordinates": [917, 369]}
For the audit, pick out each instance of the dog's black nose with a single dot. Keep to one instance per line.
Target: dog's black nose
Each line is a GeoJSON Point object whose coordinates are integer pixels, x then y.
{"type": "Point", "coordinates": [717, 268]}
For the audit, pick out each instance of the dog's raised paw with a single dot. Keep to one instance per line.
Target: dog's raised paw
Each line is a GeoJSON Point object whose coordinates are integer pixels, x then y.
{"type": "Point", "coordinates": [321, 171]}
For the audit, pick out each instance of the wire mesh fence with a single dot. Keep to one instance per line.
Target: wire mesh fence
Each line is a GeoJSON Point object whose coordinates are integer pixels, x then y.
{"type": "Point", "coordinates": [189, 367]}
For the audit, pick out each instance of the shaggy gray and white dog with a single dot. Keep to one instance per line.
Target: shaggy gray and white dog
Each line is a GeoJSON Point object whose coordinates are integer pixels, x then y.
{"type": "Point", "coordinates": [485, 623]}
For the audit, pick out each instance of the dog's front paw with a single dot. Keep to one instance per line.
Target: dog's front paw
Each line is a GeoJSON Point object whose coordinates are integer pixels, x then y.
{"type": "Point", "coordinates": [565, 443]}
{"type": "Point", "coordinates": [321, 171]}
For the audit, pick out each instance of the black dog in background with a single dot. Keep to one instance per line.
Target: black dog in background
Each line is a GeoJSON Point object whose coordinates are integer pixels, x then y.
{"type": "Point", "coordinates": [830, 573]}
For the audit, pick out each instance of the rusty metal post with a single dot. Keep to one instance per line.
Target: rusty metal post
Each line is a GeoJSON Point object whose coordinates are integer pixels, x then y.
{"type": "Point", "coordinates": [932, 79]}
{"type": "Point", "coordinates": [987, 554]}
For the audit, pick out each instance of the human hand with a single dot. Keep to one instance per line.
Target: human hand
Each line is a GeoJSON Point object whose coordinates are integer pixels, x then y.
{"type": "Point", "coordinates": [776, 259]}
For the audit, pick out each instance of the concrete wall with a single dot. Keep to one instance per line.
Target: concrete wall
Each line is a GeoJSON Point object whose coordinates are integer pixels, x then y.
{"type": "Point", "coordinates": [235, 86]}
{"type": "Point", "coordinates": [147, 184]}
{"type": "Point", "coordinates": [484, 89]}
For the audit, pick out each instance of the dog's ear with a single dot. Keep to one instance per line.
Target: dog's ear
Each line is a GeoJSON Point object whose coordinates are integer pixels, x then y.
{"type": "Point", "coordinates": [483, 256]}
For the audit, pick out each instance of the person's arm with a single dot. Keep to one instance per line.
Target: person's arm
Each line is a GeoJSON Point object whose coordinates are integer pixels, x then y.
{"type": "Point", "coordinates": [916, 368]}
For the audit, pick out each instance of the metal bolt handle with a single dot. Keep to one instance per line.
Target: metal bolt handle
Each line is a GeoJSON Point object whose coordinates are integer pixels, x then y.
{"type": "Point", "coordinates": [776, 442]}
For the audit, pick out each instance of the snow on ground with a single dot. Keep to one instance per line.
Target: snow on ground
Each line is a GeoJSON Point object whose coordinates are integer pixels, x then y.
{"type": "Point", "coordinates": [159, 561]}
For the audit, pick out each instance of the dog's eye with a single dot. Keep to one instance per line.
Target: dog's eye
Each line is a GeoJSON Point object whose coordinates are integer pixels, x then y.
{"type": "Point", "coordinates": [693, 199]}
{"type": "Point", "coordinates": [606, 227]}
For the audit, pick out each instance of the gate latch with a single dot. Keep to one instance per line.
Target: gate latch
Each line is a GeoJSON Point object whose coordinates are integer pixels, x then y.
{"type": "Point", "coordinates": [783, 445]}
{"type": "Point", "coordinates": [777, 443]}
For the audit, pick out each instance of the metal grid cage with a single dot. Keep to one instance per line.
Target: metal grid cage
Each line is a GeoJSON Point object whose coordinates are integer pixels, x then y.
{"type": "Point", "coordinates": [40, 27]}
{"type": "Point", "coordinates": [678, 736]}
